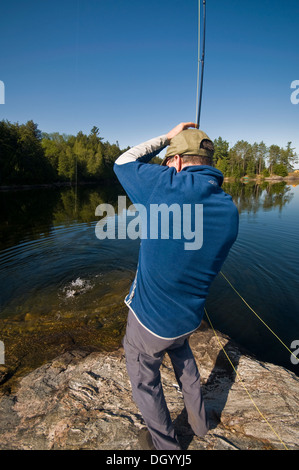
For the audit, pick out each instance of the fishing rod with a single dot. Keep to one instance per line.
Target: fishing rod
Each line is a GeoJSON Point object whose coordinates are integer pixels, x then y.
{"type": "Point", "coordinates": [202, 60]}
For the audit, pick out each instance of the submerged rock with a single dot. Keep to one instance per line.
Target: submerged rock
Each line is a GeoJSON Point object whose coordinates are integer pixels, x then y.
{"type": "Point", "coordinates": [32, 340]}
{"type": "Point", "coordinates": [82, 400]}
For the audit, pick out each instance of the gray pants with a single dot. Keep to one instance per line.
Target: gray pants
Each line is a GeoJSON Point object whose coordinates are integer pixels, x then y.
{"type": "Point", "coordinates": [144, 354]}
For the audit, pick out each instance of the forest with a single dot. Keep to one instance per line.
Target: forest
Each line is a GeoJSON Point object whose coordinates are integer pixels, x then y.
{"type": "Point", "coordinates": [245, 159]}
{"type": "Point", "coordinates": [30, 156]}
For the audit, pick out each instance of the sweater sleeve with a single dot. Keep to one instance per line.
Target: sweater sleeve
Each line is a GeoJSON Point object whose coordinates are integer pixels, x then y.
{"type": "Point", "coordinates": [137, 178]}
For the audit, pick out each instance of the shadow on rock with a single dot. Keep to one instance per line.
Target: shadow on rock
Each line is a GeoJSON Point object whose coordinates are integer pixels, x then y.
{"type": "Point", "coordinates": [215, 392]}
{"type": "Point", "coordinates": [220, 381]}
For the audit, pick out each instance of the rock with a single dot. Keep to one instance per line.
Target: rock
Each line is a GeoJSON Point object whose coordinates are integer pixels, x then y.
{"type": "Point", "coordinates": [82, 400]}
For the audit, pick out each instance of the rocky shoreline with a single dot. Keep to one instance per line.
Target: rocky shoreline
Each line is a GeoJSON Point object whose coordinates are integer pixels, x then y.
{"type": "Point", "coordinates": [82, 400]}
{"type": "Point", "coordinates": [260, 179]}
{"type": "Point", "coordinates": [61, 184]}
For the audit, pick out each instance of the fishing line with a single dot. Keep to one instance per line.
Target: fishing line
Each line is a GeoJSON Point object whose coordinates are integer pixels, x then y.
{"type": "Point", "coordinates": [200, 60]}
{"type": "Point", "coordinates": [264, 323]}
{"type": "Point", "coordinates": [242, 383]}
{"type": "Point", "coordinates": [198, 64]}
{"type": "Point", "coordinates": [237, 375]}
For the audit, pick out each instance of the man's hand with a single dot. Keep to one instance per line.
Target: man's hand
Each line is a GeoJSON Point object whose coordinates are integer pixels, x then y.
{"type": "Point", "coordinates": [179, 128]}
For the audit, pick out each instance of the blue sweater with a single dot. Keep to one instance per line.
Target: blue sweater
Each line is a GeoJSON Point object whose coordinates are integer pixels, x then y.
{"type": "Point", "coordinates": [174, 270]}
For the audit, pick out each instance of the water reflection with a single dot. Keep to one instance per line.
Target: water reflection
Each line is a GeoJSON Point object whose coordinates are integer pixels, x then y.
{"type": "Point", "coordinates": [30, 214]}
{"type": "Point", "coordinates": [252, 197]}
{"type": "Point", "coordinates": [33, 213]}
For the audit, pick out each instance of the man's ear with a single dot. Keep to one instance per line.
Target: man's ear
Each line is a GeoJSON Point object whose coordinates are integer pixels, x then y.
{"type": "Point", "coordinates": [178, 163]}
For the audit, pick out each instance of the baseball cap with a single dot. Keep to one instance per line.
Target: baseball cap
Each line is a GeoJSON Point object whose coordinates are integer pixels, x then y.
{"type": "Point", "coordinates": [188, 142]}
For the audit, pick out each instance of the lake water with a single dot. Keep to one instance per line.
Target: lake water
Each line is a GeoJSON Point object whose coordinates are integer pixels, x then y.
{"type": "Point", "coordinates": [52, 265]}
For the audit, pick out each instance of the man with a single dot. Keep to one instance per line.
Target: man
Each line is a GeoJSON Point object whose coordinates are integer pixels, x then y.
{"type": "Point", "coordinates": [166, 300]}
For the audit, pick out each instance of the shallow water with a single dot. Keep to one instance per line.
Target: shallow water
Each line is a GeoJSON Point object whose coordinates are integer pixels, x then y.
{"type": "Point", "coordinates": [52, 265]}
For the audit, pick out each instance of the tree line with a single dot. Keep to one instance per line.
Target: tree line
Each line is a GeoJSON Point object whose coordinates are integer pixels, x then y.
{"type": "Point", "coordinates": [245, 159]}
{"type": "Point", "coordinates": [29, 156]}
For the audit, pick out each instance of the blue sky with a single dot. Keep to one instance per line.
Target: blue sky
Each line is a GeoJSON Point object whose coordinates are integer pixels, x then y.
{"type": "Point", "coordinates": [130, 68]}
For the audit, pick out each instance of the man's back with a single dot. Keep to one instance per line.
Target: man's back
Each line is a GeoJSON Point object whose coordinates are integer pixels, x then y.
{"type": "Point", "coordinates": [191, 225]}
